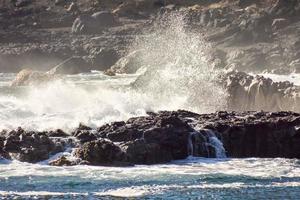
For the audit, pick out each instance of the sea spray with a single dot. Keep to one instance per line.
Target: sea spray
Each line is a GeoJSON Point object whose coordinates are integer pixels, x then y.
{"type": "Point", "coordinates": [178, 76]}
{"type": "Point", "coordinates": [177, 65]}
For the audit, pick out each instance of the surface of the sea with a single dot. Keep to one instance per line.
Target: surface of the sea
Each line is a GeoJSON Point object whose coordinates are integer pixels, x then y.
{"type": "Point", "coordinates": [95, 99]}
{"type": "Point", "coordinates": [193, 178]}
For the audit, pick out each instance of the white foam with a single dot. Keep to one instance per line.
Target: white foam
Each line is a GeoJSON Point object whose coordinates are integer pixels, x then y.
{"type": "Point", "coordinates": [40, 193]}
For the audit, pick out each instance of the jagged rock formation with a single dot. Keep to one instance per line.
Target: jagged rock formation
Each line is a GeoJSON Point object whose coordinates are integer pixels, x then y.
{"type": "Point", "coordinates": [29, 146]}
{"type": "Point", "coordinates": [165, 136]}
{"type": "Point", "coordinates": [247, 92]}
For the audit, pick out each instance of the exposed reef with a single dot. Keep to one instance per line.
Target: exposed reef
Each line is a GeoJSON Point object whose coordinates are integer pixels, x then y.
{"type": "Point", "coordinates": [162, 137]}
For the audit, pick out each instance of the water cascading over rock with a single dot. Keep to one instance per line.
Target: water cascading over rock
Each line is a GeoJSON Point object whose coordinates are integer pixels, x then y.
{"type": "Point", "coordinates": [205, 143]}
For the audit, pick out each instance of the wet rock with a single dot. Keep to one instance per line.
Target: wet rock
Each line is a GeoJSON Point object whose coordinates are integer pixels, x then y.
{"type": "Point", "coordinates": [103, 59]}
{"type": "Point", "coordinates": [29, 146]}
{"type": "Point", "coordinates": [101, 152]}
{"type": "Point", "coordinates": [84, 133]}
{"type": "Point", "coordinates": [128, 64]}
{"type": "Point", "coordinates": [31, 155]}
{"type": "Point", "coordinates": [62, 161]}
{"type": "Point", "coordinates": [166, 130]}
{"type": "Point", "coordinates": [141, 152]}
{"type": "Point", "coordinates": [12, 142]}
{"type": "Point", "coordinates": [85, 136]}
{"type": "Point", "coordinates": [83, 127]}
{"type": "Point", "coordinates": [261, 139]}
{"type": "Point", "coordinates": [141, 140]}
{"type": "Point", "coordinates": [57, 133]}
{"type": "Point", "coordinates": [4, 154]}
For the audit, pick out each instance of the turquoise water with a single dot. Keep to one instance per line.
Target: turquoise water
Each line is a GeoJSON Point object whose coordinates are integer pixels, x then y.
{"type": "Point", "coordinates": [194, 178]}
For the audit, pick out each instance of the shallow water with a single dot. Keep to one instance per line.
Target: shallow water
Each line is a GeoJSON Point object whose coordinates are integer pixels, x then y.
{"type": "Point", "coordinates": [194, 178]}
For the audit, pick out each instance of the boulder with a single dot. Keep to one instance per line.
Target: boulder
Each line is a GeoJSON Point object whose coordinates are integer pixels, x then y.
{"type": "Point", "coordinates": [57, 133]}
{"type": "Point", "coordinates": [62, 161]}
{"type": "Point", "coordinates": [102, 152]}
{"type": "Point", "coordinates": [128, 64]}
{"type": "Point", "coordinates": [29, 146]}
{"type": "Point", "coordinates": [84, 136]}
{"type": "Point", "coordinates": [141, 152]}
{"type": "Point", "coordinates": [84, 133]}
{"type": "Point", "coordinates": [164, 132]}
{"type": "Point", "coordinates": [103, 59]}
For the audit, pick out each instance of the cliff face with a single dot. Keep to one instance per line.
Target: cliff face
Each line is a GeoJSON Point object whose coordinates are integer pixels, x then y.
{"type": "Point", "coordinates": [247, 35]}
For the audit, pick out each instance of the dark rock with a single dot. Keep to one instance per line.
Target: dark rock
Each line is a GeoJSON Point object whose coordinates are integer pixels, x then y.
{"type": "Point", "coordinates": [103, 59]}
{"type": "Point", "coordinates": [29, 146]}
{"type": "Point", "coordinates": [84, 136]}
{"type": "Point", "coordinates": [31, 155]}
{"type": "Point", "coordinates": [3, 153]}
{"type": "Point", "coordinates": [128, 64]}
{"type": "Point", "coordinates": [140, 152]}
{"type": "Point", "coordinates": [83, 127]}
{"type": "Point", "coordinates": [62, 161]}
{"type": "Point", "coordinates": [101, 152]}
{"type": "Point", "coordinates": [57, 133]}
{"type": "Point", "coordinates": [12, 142]}
{"type": "Point", "coordinates": [164, 133]}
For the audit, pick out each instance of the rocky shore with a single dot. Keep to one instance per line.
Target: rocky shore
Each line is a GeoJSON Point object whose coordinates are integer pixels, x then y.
{"type": "Point", "coordinates": [247, 35]}
{"type": "Point", "coordinates": [161, 137]}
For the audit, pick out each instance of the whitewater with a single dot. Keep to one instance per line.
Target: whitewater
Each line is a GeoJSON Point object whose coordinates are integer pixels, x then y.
{"type": "Point", "coordinates": [180, 78]}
